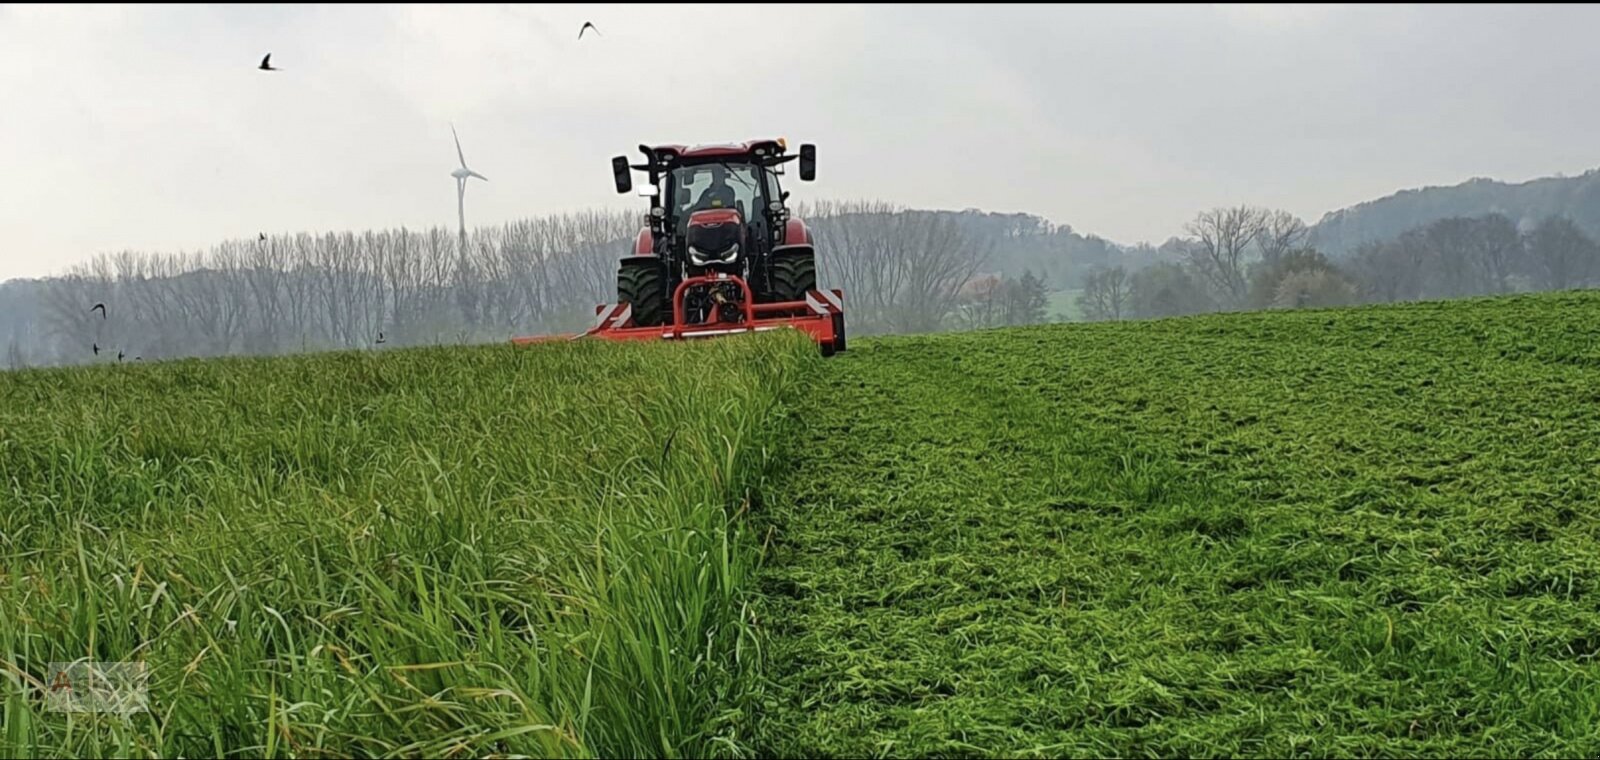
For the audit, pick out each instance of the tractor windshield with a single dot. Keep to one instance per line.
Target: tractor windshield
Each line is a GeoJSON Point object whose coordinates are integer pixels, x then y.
{"type": "Point", "coordinates": [718, 185]}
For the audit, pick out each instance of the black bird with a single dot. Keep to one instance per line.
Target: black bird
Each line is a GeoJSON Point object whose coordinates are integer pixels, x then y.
{"type": "Point", "coordinates": [97, 349]}
{"type": "Point", "coordinates": [265, 66]}
{"type": "Point", "coordinates": [119, 356]}
{"type": "Point", "coordinates": [587, 25]}
{"type": "Point", "coordinates": [101, 307]}
{"type": "Point", "coordinates": [380, 336]}
{"type": "Point", "coordinates": [263, 236]}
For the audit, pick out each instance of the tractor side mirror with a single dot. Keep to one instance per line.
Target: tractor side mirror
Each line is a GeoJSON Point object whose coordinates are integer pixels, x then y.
{"type": "Point", "coordinates": [622, 173]}
{"type": "Point", "coordinates": [808, 162]}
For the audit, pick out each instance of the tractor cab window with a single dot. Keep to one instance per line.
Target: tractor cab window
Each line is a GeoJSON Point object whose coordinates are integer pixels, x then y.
{"type": "Point", "coordinates": [774, 192]}
{"type": "Point", "coordinates": [720, 185]}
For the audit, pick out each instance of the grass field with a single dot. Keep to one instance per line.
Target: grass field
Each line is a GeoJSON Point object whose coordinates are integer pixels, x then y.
{"type": "Point", "coordinates": [1362, 532]}
{"type": "Point", "coordinates": [421, 553]}
{"type": "Point", "coordinates": [1063, 306]}
{"type": "Point", "coordinates": [1319, 533]}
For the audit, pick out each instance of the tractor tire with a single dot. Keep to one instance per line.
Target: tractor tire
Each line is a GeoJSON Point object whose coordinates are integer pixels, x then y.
{"type": "Point", "coordinates": [643, 284]}
{"type": "Point", "coordinates": [792, 275]}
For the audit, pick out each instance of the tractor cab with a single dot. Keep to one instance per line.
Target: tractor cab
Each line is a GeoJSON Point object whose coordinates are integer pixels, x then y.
{"type": "Point", "coordinates": [720, 214]}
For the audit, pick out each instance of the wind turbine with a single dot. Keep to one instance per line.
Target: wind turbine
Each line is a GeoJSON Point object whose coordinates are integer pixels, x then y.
{"type": "Point", "coordinates": [462, 175]}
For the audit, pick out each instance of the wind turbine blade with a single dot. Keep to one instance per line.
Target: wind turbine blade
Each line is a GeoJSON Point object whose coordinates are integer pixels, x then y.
{"type": "Point", "coordinates": [459, 154]}
{"type": "Point", "coordinates": [472, 173]}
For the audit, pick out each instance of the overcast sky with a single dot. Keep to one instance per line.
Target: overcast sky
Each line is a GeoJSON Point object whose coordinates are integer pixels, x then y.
{"type": "Point", "coordinates": [150, 127]}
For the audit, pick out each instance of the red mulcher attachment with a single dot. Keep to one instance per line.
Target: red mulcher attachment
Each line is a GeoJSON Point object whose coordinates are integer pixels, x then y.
{"type": "Point", "coordinates": [821, 315]}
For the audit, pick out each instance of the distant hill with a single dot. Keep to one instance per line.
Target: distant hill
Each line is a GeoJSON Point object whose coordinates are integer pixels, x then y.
{"type": "Point", "coordinates": [1578, 198]}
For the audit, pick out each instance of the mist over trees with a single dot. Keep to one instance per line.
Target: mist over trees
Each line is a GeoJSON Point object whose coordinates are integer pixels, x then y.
{"type": "Point", "coordinates": [1341, 232]}
{"type": "Point", "coordinates": [1251, 258]}
{"type": "Point", "coordinates": [902, 271]}
{"type": "Point", "coordinates": [337, 290]}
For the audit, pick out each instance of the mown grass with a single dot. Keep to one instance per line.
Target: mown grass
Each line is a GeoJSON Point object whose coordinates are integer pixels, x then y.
{"type": "Point", "coordinates": [1325, 533]}
{"type": "Point", "coordinates": [429, 552]}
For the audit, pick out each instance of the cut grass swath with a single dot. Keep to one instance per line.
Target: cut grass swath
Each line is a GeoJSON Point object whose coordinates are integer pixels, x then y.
{"type": "Point", "coordinates": [1363, 532]}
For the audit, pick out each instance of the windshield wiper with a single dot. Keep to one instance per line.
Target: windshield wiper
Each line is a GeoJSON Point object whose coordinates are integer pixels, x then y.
{"type": "Point", "coordinates": [751, 186]}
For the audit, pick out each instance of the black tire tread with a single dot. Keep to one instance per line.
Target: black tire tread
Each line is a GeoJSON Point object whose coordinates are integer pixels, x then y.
{"type": "Point", "coordinates": [644, 285]}
{"type": "Point", "coordinates": [793, 274]}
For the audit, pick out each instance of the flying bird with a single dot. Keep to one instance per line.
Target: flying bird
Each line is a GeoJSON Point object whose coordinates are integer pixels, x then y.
{"type": "Point", "coordinates": [380, 336]}
{"type": "Point", "coordinates": [101, 307]}
{"type": "Point", "coordinates": [97, 349]}
{"type": "Point", "coordinates": [265, 66]}
{"type": "Point", "coordinates": [119, 356]}
{"type": "Point", "coordinates": [263, 237]}
{"type": "Point", "coordinates": [587, 25]}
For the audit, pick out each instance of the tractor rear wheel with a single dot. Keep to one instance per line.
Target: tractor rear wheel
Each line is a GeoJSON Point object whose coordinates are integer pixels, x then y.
{"type": "Point", "coordinates": [793, 274]}
{"type": "Point", "coordinates": [643, 284]}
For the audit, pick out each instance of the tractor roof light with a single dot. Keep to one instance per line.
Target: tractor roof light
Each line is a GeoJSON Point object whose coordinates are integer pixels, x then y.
{"type": "Point", "coordinates": [783, 144]}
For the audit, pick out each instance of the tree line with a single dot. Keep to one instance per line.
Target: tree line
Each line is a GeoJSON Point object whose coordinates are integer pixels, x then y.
{"type": "Point", "coordinates": [1245, 257]}
{"type": "Point", "coordinates": [902, 271]}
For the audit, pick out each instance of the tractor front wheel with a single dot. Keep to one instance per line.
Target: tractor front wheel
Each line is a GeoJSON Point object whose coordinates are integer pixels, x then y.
{"type": "Point", "coordinates": [643, 284]}
{"type": "Point", "coordinates": [793, 275]}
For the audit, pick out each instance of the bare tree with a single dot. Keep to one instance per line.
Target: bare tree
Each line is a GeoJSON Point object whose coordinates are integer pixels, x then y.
{"type": "Point", "coordinates": [1496, 253]}
{"type": "Point", "coordinates": [1393, 271]}
{"type": "Point", "coordinates": [1222, 241]}
{"type": "Point", "coordinates": [1560, 256]}
{"type": "Point", "coordinates": [1281, 232]}
{"type": "Point", "coordinates": [1105, 294]}
{"type": "Point", "coordinates": [981, 301]}
{"type": "Point", "coordinates": [266, 275]}
{"type": "Point", "coordinates": [933, 258]}
{"type": "Point", "coordinates": [67, 302]}
{"type": "Point", "coordinates": [854, 251]}
{"type": "Point", "coordinates": [901, 270]}
{"type": "Point", "coordinates": [1450, 242]}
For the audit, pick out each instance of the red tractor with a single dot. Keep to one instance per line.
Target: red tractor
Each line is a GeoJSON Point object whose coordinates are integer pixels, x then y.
{"type": "Point", "coordinates": [721, 253]}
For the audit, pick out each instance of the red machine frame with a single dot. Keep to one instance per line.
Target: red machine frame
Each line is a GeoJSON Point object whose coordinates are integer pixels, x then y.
{"type": "Point", "coordinates": [820, 314]}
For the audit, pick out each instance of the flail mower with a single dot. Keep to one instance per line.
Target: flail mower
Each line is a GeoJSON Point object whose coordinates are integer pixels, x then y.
{"type": "Point", "coordinates": [720, 253]}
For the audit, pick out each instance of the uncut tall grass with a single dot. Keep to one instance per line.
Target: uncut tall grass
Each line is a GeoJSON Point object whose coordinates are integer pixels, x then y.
{"type": "Point", "coordinates": [427, 552]}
